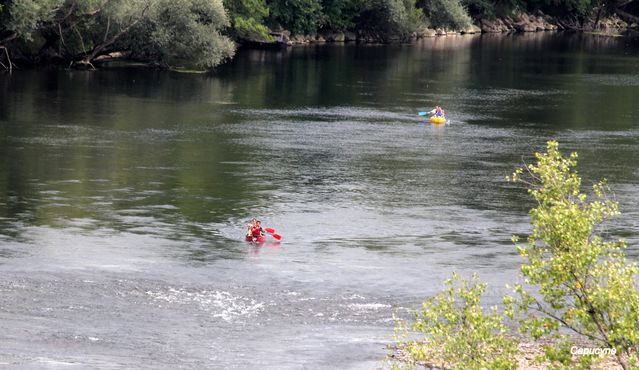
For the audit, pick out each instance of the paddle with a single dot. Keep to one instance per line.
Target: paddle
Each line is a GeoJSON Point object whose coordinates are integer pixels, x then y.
{"type": "Point", "coordinates": [272, 232]}
{"type": "Point", "coordinates": [426, 113]}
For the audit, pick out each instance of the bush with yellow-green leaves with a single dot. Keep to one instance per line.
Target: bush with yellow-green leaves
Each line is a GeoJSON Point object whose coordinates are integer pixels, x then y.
{"type": "Point", "coordinates": [584, 282]}
{"type": "Point", "coordinates": [460, 333]}
{"type": "Point", "coordinates": [574, 280]}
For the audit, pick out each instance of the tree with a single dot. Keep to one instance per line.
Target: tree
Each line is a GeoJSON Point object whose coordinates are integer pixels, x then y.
{"type": "Point", "coordinates": [114, 20]}
{"type": "Point", "coordinates": [20, 19]}
{"type": "Point", "coordinates": [248, 18]}
{"type": "Point", "coordinates": [575, 280]}
{"type": "Point", "coordinates": [82, 32]}
{"type": "Point", "coordinates": [301, 17]}
{"type": "Point", "coordinates": [341, 15]}
{"type": "Point", "coordinates": [23, 17]}
{"type": "Point", "coordinates": [584, 282]}
{"type": "Point", "coordinates": [460, 334]}
{"type": "Point", "coordinates": [563, 8]}
{"type": "Point", "coordinates": [447, 14]}
{"type": "Point", "coordinates": [388, 19]}
{"type": "Point", "coordinates": [189, 32]}
{"type": "Point", "coordinates": [479, 8]}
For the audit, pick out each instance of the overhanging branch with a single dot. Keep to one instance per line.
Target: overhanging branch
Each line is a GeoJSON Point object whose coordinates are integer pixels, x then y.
{"type": "Point", "coordinates": [627, 16]}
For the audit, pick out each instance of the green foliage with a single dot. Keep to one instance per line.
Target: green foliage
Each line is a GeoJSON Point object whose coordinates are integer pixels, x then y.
{"type": "Point", "coordinates": [479, 8]}
{"type": "Point", "coordinates": [563, 7]}
{"type": "Point", "coordinates": [182, 31]}
{"type": "Point", "coordinates": [459, 334]}
{"type": "Point", "coordinates": [584, 282]}
{"type": "Point", "coordinates": [449, 14]}
{"type": "Point", "coordinates": [341, 15]}
{"type": "Point", "coordinates": [189, 32]}
{"type": "Point", "coordinates": [110, 19]}
{"type": "Point", "coordinates": [390, 18]}
{"type": "Point", "coordinates": [558, 355]}
{"type": "Point", "coordinates": [298, 16]}
{"type": "Point", "coordinates": [247, 18]}
{"type": "Point", "coordinates": [25, 16]}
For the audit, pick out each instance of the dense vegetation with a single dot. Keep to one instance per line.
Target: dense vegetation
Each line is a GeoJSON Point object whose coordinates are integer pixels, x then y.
{"type": "Point", "coordinates": [387, 19]}
{"type": "Point", "coordinates": [83, 32]}
{"type": "Point", "coordinates": [199, 32]}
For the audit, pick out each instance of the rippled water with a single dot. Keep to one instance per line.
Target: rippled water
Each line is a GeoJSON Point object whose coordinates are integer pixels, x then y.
{"type": "Point", "coordinates": [125, 192]}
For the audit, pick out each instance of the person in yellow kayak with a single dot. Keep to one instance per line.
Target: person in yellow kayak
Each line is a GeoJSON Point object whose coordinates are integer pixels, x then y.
{"type": "Point", "coordinates": [437, 112]}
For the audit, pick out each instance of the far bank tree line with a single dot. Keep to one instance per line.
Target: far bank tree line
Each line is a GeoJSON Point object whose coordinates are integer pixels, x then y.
{"type": "Point", "coordinates": [200, 33]}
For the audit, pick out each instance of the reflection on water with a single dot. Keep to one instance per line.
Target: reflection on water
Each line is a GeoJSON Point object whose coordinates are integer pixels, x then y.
{"type": "Point", "coordinates": [125, 192]}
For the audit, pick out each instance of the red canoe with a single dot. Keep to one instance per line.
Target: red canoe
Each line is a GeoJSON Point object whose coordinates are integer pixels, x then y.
{"type": "Point", "coordinates": [260, 239]}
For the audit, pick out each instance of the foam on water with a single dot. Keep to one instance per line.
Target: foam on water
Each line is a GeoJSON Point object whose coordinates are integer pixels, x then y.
{"type": "Point", "coordinates": [219, 304]}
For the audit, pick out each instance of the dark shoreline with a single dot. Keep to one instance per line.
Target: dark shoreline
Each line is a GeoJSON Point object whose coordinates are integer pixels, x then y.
{"type": "Point", "coordinates": [279, 46]}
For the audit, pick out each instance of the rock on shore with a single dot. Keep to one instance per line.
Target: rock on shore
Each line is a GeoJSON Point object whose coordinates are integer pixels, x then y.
{"type": "Point", "coordinates": [523, 22]}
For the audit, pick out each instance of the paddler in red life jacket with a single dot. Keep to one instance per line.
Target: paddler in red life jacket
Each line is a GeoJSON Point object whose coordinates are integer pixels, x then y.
{"type": "Point", "coordinates": [255, 230]}
{"type": "Point", "coordinates": [251, 226]}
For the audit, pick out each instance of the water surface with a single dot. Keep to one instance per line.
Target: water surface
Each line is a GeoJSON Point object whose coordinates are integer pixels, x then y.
{"type": "Point", "coordinates": [124, 194]}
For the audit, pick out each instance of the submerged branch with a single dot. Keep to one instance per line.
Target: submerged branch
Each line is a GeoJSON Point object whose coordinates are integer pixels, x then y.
{"type": "Point", "coordinates": [9, 65]}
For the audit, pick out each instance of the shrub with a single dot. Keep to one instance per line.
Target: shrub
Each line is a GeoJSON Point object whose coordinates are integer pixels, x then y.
{"type": "Point", "coordinates": [479, 8]}
{"type": "Point", "coordinates": [340, 15]}
{"type": "Point", "coordinates": [247, 18]}
{"type": "Point", "coordinates": [25, 16]}
{"type": "Point", "coordinates": [448, 14]}
{"type": "Point", "coordinates": [386, 19]}
{"type": "Point", "coordinates": [584, 282]}
{"type": "Point", "coordinates": [459, 334]}
{"type": "Point", "coordinates": [189, 32]}
{"type": "Point", "coordinates": [301, 17]}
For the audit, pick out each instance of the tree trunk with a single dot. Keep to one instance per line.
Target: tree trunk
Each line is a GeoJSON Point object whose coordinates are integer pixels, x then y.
{"type": "Point", "coordinates": [86, 61]}
{"type": "Point", "coordinates": [596, 23]}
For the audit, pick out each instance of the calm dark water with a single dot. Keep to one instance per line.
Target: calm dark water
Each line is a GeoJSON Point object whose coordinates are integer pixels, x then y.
{"type": "Point", "coordinates": [123, 194]}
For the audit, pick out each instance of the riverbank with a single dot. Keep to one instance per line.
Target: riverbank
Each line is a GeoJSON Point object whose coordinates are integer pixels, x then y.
{"type": "Point", "coordinates": [516, 22]}
{"type": "Point", "coordinates": [71, 36]}
{"type": "Point", "coordinates": [523, 22]}
{"type": "Point", "coordinates": [529, 354]}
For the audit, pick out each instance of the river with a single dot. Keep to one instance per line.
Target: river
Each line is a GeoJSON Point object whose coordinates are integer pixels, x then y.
{"type": "Point", "coordinates": [124, 194]}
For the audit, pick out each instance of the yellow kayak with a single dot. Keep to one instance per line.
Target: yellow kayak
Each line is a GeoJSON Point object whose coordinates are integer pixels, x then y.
{"type": "Point", "coordinates": [437, 119]}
